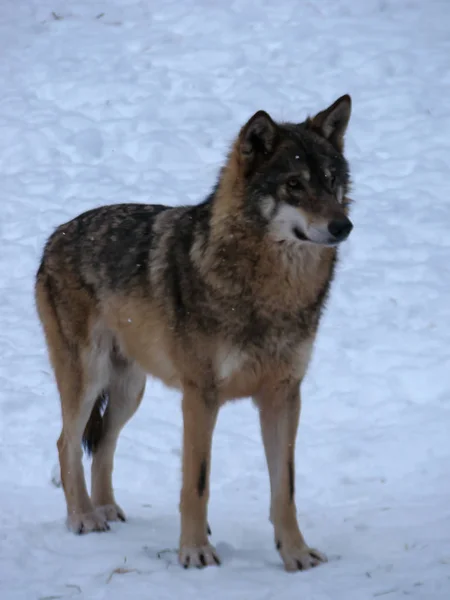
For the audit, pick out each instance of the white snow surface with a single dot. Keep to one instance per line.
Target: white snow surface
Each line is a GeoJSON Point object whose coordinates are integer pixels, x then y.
{"type": "Point", "coordinates": [132, 100]}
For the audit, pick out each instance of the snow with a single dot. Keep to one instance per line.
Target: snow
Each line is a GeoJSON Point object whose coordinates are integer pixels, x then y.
{"type": "Point", "coordinates": [138, 101]}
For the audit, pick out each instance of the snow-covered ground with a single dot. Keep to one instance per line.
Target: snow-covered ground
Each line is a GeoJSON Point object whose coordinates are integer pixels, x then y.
{"type": "Point", "coordinates": [133, 100]}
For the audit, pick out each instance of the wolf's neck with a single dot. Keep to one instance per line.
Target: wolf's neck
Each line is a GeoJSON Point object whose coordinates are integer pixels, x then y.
{"type": "Point", "coordinates": [287, 273]}
{"type": "Point", "coordinates": [299, 273]}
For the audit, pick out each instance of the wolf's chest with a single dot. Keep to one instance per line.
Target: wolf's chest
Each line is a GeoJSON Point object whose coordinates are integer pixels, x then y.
{"type": "Point", "coordinates": [245, 367]}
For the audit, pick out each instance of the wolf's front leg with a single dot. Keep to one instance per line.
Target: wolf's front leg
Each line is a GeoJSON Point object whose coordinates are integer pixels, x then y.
{"type": "Point", "coordinates": [200, 410]}
{"type": "Point", "coordinates": [279, 416]}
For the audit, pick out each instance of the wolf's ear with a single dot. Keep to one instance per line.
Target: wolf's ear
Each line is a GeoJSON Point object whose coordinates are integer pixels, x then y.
{"type": "Point", "coordinates": [332, 122]}
{"type": "Point", "coordinates": [258, 136]}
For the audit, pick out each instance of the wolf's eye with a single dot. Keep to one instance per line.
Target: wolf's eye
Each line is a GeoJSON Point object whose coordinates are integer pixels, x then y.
{"type": "Point", "coordinates": [294, 183]}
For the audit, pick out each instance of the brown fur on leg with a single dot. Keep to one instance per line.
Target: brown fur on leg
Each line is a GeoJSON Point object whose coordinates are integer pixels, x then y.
{"type": "Point", "coordinates": [200, 410]}
{"type": "Point", "coordinates": [78, 388]}
{"type": "Point", "coordinates": [279, 410]}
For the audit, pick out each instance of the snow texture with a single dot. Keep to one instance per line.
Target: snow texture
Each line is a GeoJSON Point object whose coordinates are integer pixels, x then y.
{"type": "Point", "coordinates": [132, 100]}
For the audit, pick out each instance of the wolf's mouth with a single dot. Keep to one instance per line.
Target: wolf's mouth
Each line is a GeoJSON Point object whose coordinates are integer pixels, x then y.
{"type": "Point", "coordinates": [300, 235]}
{"type": "Point", "coordinates": [303, 238]}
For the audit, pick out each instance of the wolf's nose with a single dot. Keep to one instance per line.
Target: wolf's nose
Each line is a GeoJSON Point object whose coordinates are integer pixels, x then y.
{"type": "Point", "coordinates": [340, 228]}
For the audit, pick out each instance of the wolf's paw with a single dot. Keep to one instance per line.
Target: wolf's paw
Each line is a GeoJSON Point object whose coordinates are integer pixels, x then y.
{"type": "Point", "coordinates": [302, 558]}
{"type": "Point", "coordinates": [111, 512]}
{"type": "Point", "coordinates": [81, 523]}
{"type": "Point", "coordinates": [198, 556]}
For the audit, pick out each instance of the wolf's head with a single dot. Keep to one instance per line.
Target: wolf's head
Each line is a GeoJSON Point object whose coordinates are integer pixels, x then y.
{"type": "Point", "coordinates": [294, 177]}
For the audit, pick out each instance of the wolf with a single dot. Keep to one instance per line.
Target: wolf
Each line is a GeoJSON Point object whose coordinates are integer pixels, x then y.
{"type": "Point", "coordinates": [220, 300]}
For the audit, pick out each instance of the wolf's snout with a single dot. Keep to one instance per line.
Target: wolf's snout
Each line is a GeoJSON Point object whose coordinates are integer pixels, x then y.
{"type": "Point", "coordinates": [340, 228]}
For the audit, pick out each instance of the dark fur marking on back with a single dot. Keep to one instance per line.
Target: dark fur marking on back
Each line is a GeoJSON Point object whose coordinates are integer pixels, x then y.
{"type": "Point", "coordinates": [175, 283]}
{"type": "Point", "coordinates": [186, 289]}
{"type": "Point", "coordinates": [130, 229]}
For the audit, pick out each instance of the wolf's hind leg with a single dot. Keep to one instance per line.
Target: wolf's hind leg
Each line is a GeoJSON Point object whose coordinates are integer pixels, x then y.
{"type": "Point", "coordinates": [80, 362]}
{"type": "Point", "coordinates": [124, 397]}
{"type": "Point", "coordinates": [78, 399]}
